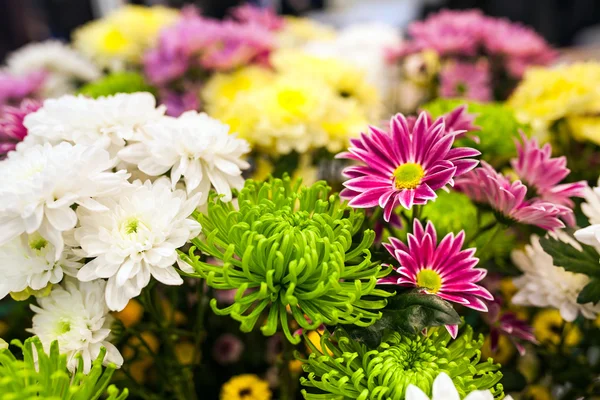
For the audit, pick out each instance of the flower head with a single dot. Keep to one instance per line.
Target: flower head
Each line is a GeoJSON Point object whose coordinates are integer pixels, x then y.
{"type": "Point", "coordinates": [118, 82]}
{"type": "Point", "coordinates": [507, 323]}
{"type": "Point", "coordinates": [64, 67]}
{"type": "Point", "coordinates": [196, 148]}
{"type": "Point", "coordinates": [107, 122]}
{"type": "Point", "coordinates": [544, 284]}
{"type": "Point", "coordinates": [245, 387]}
{"type": "Point", "coordinates": [130, 242]}
{"type": "Point", "coordinates": [39, 186]}
{"type": "Point", "coordinates": [12, 130]}
{"type": "Point", "coordinates": [468, 80]}
{"type": "Point", "coordinates": [227, 349]}
{"type": "Point", "coordinates": [261, 16]}
{"type": "Point", "coordinates": [542, 173]}
{"type": "Point", "coordinates": [404, 166]}
{"type": "Point", "coordinates": [76, 315]}
{"type": "Point", "coordinates": [442, 269]}
{"type": "Point", "coordinates": [508, 199]}
{"type": "Point", "coordinates": [29, 262]}
{"type": "Point", "coordinates": [444, 389]}
{"type": "Point", "coordinates": [591, 206]}
{"type": "Point", "coordinates": [347, 368]}
{"type": "Point", "coordinates": [289, 245]}
{"type": "Point", "coordinates": [13, 89]}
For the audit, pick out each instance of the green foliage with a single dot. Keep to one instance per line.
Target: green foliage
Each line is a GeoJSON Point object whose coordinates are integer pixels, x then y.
{"type": "Point", "coordinates": [582, 262]}
{"type": "Point", "coordinates": [120, 82]}
{"type": "Point", "coordinates": [289, 252]}
{"type": "Point", "coordinates": [45, 376]}
{"type": "Point", "coordinates": [409, 313]}
{"type": "Point", "coordinates": [346, 369]}
{"type": "Point", "coordinates": [499, 127]}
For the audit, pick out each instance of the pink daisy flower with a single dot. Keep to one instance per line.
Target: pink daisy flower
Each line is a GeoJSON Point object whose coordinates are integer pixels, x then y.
{"type": "Point", "coordinates": [404, 166]}
{"type": "Point", "coordinates": [466, 80]}
{"type": "Point", "coordinates": [12, 130]}
{"type": "Point", "coordinates": [508, 199]}
{"type": "Point", "coordinates": [443, 268]}
{"type": "Point", "coordinates": [536, 167]}
{"type": "Point", "coordinates": [509, 325]}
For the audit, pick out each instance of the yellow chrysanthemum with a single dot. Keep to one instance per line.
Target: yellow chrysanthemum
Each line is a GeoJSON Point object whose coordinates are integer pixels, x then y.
{"type": "Point", "coordinates": [585, 128]}
{"type": "Point", "coordinates": [345, 79]}
{"type": "Point", "coordinates": [345, 120]}
{"type": "Point", "coordinates": [245, 387]}
{"type": "Point", "coordinates": [537, 392]}
{"type": "Point", "coordinates": [548, 94]}
{"type": "Point", "coordinates": [548, 328]}
{"type": "Point", "coordinates": [123, 36]}
{"type": "Point", "coordinates": [298, 31]}
{"type": "Point", "coordinates": [503, 354]}
{"type": "Point", "coordinates": [221, 89]}
{"type": "Point", "coordinates": [131, 314]}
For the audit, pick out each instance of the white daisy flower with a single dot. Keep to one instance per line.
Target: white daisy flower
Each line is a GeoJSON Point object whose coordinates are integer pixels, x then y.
{"type": "Point", "coordinates": [39, 186]}
{"type": "Point", "coordinates": [591, 206]}
{"type": "Point", "coordinates": [444, 389]}
{"type": "Point", "coordinates": [107, 122]}
{"type": "Point", "coordinates": [196, 148]}
{"type": "Point", "coordinates": [546, 285]}
{"type": "Point", "coordinates": [76, 315]}
{"type": "Point", "coordinates": [136, 237]}
{"type": "Point", "coordinates": [64, 66]}
{"type": "Point", "coordinates": [28, 262]}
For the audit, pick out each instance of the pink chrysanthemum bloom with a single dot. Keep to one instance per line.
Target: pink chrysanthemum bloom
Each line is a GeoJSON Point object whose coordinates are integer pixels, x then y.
{"type": "Point", "coordinates": [466, 80]}
{"type": "Point", "coordinates": [178, 103]}
{"type": "Point", "coordinates": [13, 89]}
{"type": "Point", "coordinates": [543, 174]}
{"type": "Point", "coordinates": [458, 122]}
{"type": "Point", "coordinates": [12, 130]}
{"type": "Point", "coordinates": [443, 268]}
{"type": "Point", "coordinates": [507, 324]}
{"type": "Point", "coordinates": [403, 166]}
{"type": "Point", "coordinates": [266, 17]}
{"type": "Point", "coordinates": [508, 199]}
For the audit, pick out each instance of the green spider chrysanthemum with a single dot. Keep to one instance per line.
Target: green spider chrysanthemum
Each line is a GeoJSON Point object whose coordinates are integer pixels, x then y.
{"type": "Point", "coordinates": [288, 251]}
{"type": "Point", "coordinates": [345, 369]}
{"type": "Point", "coordinates": [499, 127]}
{"type": "Point", "coordinates": [42, 375]}
{"type": "Point", "coordinates": [119, 82]}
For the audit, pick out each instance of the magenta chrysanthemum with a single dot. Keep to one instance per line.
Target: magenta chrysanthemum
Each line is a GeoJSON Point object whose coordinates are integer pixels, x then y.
{"type": "Point", "coordinates": [509, 325]}
{"type": "Point", "coordinates": [508, 199]}
{"type": "Point", "coordinates": [266, 17]}
{"type": "Point", "coordinates": [13, 88]}
{"type": "Point", "coordinates": [466, 80]}
{"type": "Point", "coordinates": [403, 166]}
{"type": "Point", "coordinates": [536, 167]}
{"type": "Point", "coordinates": [442, 269]}
{"type": "Point", "coordinates": [12, 130]}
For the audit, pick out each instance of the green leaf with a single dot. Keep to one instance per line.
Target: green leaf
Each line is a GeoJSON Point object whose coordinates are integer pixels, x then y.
{"type": "Point", "coordinates": [590, 293]}
{"type": "Point", "coordinates": [566, 256]}
{"type": "Point", "coordinates": [409, 312]}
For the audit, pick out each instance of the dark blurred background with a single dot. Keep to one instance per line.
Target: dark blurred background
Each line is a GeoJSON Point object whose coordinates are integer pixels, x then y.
{"type": "Point", "coordinates": [563, 23]}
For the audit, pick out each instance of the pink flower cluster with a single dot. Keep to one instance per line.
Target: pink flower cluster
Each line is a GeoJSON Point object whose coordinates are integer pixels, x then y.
{"type": "Point", "coordinates": [537, 198]}
{"type": "Point", "coordinates": [260, 16]}
{"type": "Point", "coordinates": [13, 89]}
{"type": "Point", "coordinates": [471, 33]}
{"type": "Point", "coordinates": [12, 130]}
{"type": "Point", "coordinates": [199, 43]}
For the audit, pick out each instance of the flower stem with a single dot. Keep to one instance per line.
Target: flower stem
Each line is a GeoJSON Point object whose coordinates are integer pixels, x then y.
{"type": "Point", "coordinates": [288, 384]}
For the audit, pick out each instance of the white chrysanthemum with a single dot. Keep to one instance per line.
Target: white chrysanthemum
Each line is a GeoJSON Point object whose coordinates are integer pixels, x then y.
{"type": "Point", "coordinates": [136, 237]}
{"type": "Point", "coordinates": [196, 148]}
{"type": "Point", "coordinates": [444, 389]}
{"type": "Point", "coordinates": [39, 186]}
{"type": "Point", "coordinates": [591, 206]}
{"type": "Point", "coordinates": [546, 285]}
{"type": "Point", "coordinates": [28, 262]}
{"type": "Point", "coordinates": [76, 315]}
{"type": "Point", "coordinates": [65, 66]}
{"type": "Point", "coordinates": [107, 122]}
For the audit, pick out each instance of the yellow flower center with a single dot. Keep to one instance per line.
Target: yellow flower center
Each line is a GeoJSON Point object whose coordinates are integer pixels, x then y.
{"type": "Point", "coordinates": [291, 100]}
{"type": "Point", "coordinates": [130, 226]}
{"type": "Point", "coordinates": [430, 280]}
{"type": "Point", "coordinates": [114, 41]}
{"type": "Point", "coordinates": [408, 176]}
{"type": "Point", "coordinates": [36, 242]}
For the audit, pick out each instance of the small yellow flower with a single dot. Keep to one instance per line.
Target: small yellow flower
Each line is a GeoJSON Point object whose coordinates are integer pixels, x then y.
{"type": "Point", "coordinates": [25, 294]}
{"type": "Point", "coordinates": [245, 387]}
{"type": "Point", "coordinates": [537, 392]}
{"type": "Point", "coordinates": [3, 328]}
{"type": "Point", "coordinates": [504, 353]}
{"type": "Point", "coordinates": [548, 328]}
{"type": "Point", "coordinates": [139, 355]}
{"type": "Point", "coordinates": [186, 353]}
{"type": "Point", "coordinates": [131, 314]}
{"type": "Point", "coordinates": [263, 169]}
{"type": "Point", "coordinates": [295, 366]}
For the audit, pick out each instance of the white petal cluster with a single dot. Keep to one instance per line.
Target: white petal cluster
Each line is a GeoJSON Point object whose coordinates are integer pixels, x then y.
{"type": "Point", "coordinates": [29, 261]}
{"type": "Point", "coordinates": [444, 389]}
{"type": "Point", "coordinates": [546, 285]}
{"type": "Point", "coordinates": [64, 66]}
{"type": "Point", "coordinates": [136, 237]}
{"type": "Point", "coordinates": [196, 149]}
{"type": "Point", "coordinates": [40, 185]}
{"type": "Point", "coordinates": [76, 315]}
{"type": "Point", "coordinates": [591, 206]}
{"type": "Point", "coordinates": [107, 122]}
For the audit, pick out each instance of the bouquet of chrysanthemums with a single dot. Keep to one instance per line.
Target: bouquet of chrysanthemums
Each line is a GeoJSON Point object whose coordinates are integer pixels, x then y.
{"type": "Point", "coordinates": [203, 209]}
{"type": "Point", "coordinates": [465, 54]}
